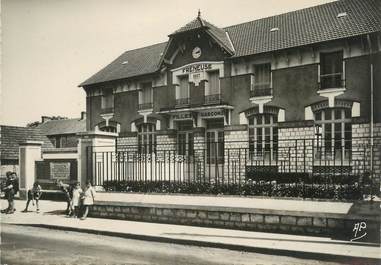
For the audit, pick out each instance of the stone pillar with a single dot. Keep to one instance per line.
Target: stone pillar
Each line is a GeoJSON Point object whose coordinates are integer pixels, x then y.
{"type": "Point", "coordinates": [128, 142]}
{"type": "Point", "coordinates": [236, 153]}
{"type": "Point", "coordinates": [296, 142]}
{"type": "Point", "coordinates": [96, 147]}
{"type": "Point", "coordinates": [29, 153]}
{"type": "Point", "coordinates": [166, 140]}
{"type": "Point", "coordinates": [199, 154]}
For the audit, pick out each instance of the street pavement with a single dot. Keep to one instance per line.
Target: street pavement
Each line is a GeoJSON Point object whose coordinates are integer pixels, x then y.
{"type": "Point", "coordinates": [51, 216]}
{"type": "Point", "coordinates": [40, 246]}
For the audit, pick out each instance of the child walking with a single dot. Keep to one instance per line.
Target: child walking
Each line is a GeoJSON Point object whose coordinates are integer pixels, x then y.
{"type": "Point", "coordinates": [76, 199]}
{"type": "Point", "coordinates": [68, 192]}
{"type": "Point", "coordinates": [34, 194]}
{"type": "Point", "coordinates": [88, 197]}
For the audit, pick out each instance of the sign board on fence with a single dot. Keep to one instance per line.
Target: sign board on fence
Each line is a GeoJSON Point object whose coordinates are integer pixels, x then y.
{"type": "Point", "coordinates": [60, 170]}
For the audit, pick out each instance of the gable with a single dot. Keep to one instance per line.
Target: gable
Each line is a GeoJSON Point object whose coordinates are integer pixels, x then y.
{"type": "Point", "coordinates": [182, 47]}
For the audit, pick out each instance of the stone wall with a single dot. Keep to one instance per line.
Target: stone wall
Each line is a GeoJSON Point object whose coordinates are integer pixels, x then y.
{"type": "Point", "coordinates": [166, 141]}
{"type": "Point", "coordinates": [296, 147]}
{"type": "Point", "coordinates": [128, 142]}
{"type": "Point", "coordinates": [236, 153]}
{"type": "Point", "coordinates": [340, 226]}
{"type": "Point", "coordinates": [361, 149]}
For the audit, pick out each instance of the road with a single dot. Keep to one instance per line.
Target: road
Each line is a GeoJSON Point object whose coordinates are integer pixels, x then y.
{"type": "Point", "coordinates": [39, 246]}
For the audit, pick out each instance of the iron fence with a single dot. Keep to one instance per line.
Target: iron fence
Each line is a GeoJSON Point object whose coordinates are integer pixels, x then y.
{"type": "Point", "coordinates": [296, 168]}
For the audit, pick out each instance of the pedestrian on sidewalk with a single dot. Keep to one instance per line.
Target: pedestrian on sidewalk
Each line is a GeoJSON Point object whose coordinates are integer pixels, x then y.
{"type": "Point", "coordinates": [88, 197]}
{"type": "Point", "coordinates": [76, 200]}
{"type": "Point", "coordinates": [34, 195]}
{"type": "Point", "coordinates": [68, 192]}
{"type": "Point", "coordinates": [11, 188]}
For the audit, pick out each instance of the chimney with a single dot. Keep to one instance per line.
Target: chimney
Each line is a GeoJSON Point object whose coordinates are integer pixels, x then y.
{"type": "Point", "coordinates": [83, 115]}
{"type": "Point", "coordinates": [45, 119]}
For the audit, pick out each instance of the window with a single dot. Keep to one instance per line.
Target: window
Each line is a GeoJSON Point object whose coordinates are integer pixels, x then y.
{"type": "Point", "coordinates": [212, 90]}
{"type": "Point", "coordinates": [62, 141]}
{"type": "Point", "coordinates": [146, 138]}
{"type": "Point", "coordinates": [333, 134]}
{"type": "Point", "coordinates": [185, 138]}
{"type": "Point", "coordinates": [261, 81]}
{"type": "Point", "coordinates": [263, 136]}
{"type": "Point", "coordinates": [182, 92]}
{"type": "Point", "coordinates": [146, 96]}
{"type": "Point", "coordinates": [107, 99]}
{"type": "Point", "coordinates": [331, 70]}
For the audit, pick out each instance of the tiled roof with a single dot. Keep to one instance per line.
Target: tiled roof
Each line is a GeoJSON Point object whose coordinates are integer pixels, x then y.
{"type": "Point", "coordinates": [307, 26]}
{"type": "Point", "coordinates": [131, 63]}
{"type": "Point", "coordinates": [11, 136]}
{"type": "Point", "coordinates": [66, 126]}
{"type": "Point", "coordinates": [196, 23]}
{"type": "Point", "coordinates": [297, 28]}
{"type": "Point", "coordinates": [218, 33]}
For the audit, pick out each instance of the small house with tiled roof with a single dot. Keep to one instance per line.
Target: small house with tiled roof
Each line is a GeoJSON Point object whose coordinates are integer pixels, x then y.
{"type": "Point", "coordinates": [62, 132]}
{"type": "Point", "coordinates": [307, 74]}
{"type": "Point", "coordinates": [57, 136]}
{"type": "Point", "coordinates": [10, 138]}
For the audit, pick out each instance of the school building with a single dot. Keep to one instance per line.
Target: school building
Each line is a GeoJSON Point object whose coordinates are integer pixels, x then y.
{"type": "Point", "coordinates": [296, 92]}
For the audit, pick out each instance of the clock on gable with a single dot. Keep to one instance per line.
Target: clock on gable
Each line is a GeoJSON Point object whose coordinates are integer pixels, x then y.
{"type": "Point", "coordinates": [196, 53]}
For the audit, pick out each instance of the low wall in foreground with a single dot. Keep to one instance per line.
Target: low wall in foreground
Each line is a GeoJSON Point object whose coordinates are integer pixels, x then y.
{"type": "Point", "coordinates": [338, 226]}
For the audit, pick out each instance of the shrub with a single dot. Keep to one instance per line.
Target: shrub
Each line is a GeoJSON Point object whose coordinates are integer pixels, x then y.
{"type": "Point", "coordinates": [249, 188]}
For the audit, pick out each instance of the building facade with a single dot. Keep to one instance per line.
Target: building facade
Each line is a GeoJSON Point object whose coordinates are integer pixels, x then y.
{"type": "Point", "coordinates": [301, 86]}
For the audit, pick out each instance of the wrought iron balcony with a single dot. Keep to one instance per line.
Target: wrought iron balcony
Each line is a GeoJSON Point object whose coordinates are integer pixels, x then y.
{"type": "Point", "coordinates": [107, 110]}
{"type": "Point", "coordinates": [212, 99]}
{"type": "Point", "coordinates": [261, 91]}
{"type": "Point", "coordinates": [181, 102]}
{"type": "Point", "coordinates": [145, 106]}
{"type": "Point", "coordinates": [334, 80]}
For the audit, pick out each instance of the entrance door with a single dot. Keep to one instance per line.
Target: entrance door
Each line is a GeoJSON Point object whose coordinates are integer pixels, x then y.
{"type": "Point", "coordinates": [215, 141]}
{"type": "Point", "coordinates": [185, 144]}
{"type": "Point", "coordinates": [215, 146]}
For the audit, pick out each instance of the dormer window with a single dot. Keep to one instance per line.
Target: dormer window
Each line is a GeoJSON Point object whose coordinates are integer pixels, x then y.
{"type": "Point", "coordinates": [331, 70]}
{"type": "Point", "coordinates": [343, 14]}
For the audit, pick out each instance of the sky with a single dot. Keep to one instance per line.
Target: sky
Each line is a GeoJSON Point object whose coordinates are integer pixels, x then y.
{"type": "Point", "coordinates": [48, 47]}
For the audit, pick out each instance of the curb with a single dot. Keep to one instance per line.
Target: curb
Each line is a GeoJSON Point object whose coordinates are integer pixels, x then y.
{"type": "Point", "coordinates": [259, 250]}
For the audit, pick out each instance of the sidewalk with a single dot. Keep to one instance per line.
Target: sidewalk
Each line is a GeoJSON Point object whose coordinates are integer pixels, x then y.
{"type": "Point", "coordinates": [51, 216]}
{"type": "Point", "coordinates": [236, 203]}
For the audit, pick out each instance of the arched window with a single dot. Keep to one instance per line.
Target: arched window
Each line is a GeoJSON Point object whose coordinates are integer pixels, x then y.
{"type": "Point", "coordinates": [146, 138]}
{"type": "Point", "coordinates": [263, 136]}
{"type": "Point", "coordinates": [333, 133]}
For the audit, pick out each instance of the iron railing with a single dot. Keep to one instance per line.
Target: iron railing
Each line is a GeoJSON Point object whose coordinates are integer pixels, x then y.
{"type": "Point", "coordinates": [212, 99]}
{"type": "Point", "coordinates": [334, 80]}
{"type": "Point", "coordinates": [181, 102]}
{"type": "Point", "coordinates": [261, 92]}
{"type": "Point", "coordinates": [290, 168]}
{"type": "Point", "coordinates": [144, 106]}
{"type": "Point", "coordinates": [107, 110]}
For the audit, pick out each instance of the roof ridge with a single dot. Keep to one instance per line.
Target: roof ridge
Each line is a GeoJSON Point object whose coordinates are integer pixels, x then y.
{"type": "Point", "coordinates": [144, 47]}
{"type": "Point", "coordinates": [285, 13]}
{"type": "Point", "coordinates": [17, 126]}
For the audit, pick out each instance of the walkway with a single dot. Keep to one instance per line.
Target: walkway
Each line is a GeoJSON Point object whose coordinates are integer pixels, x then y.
{"type": "Point", "coordinates": [276, 244]}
